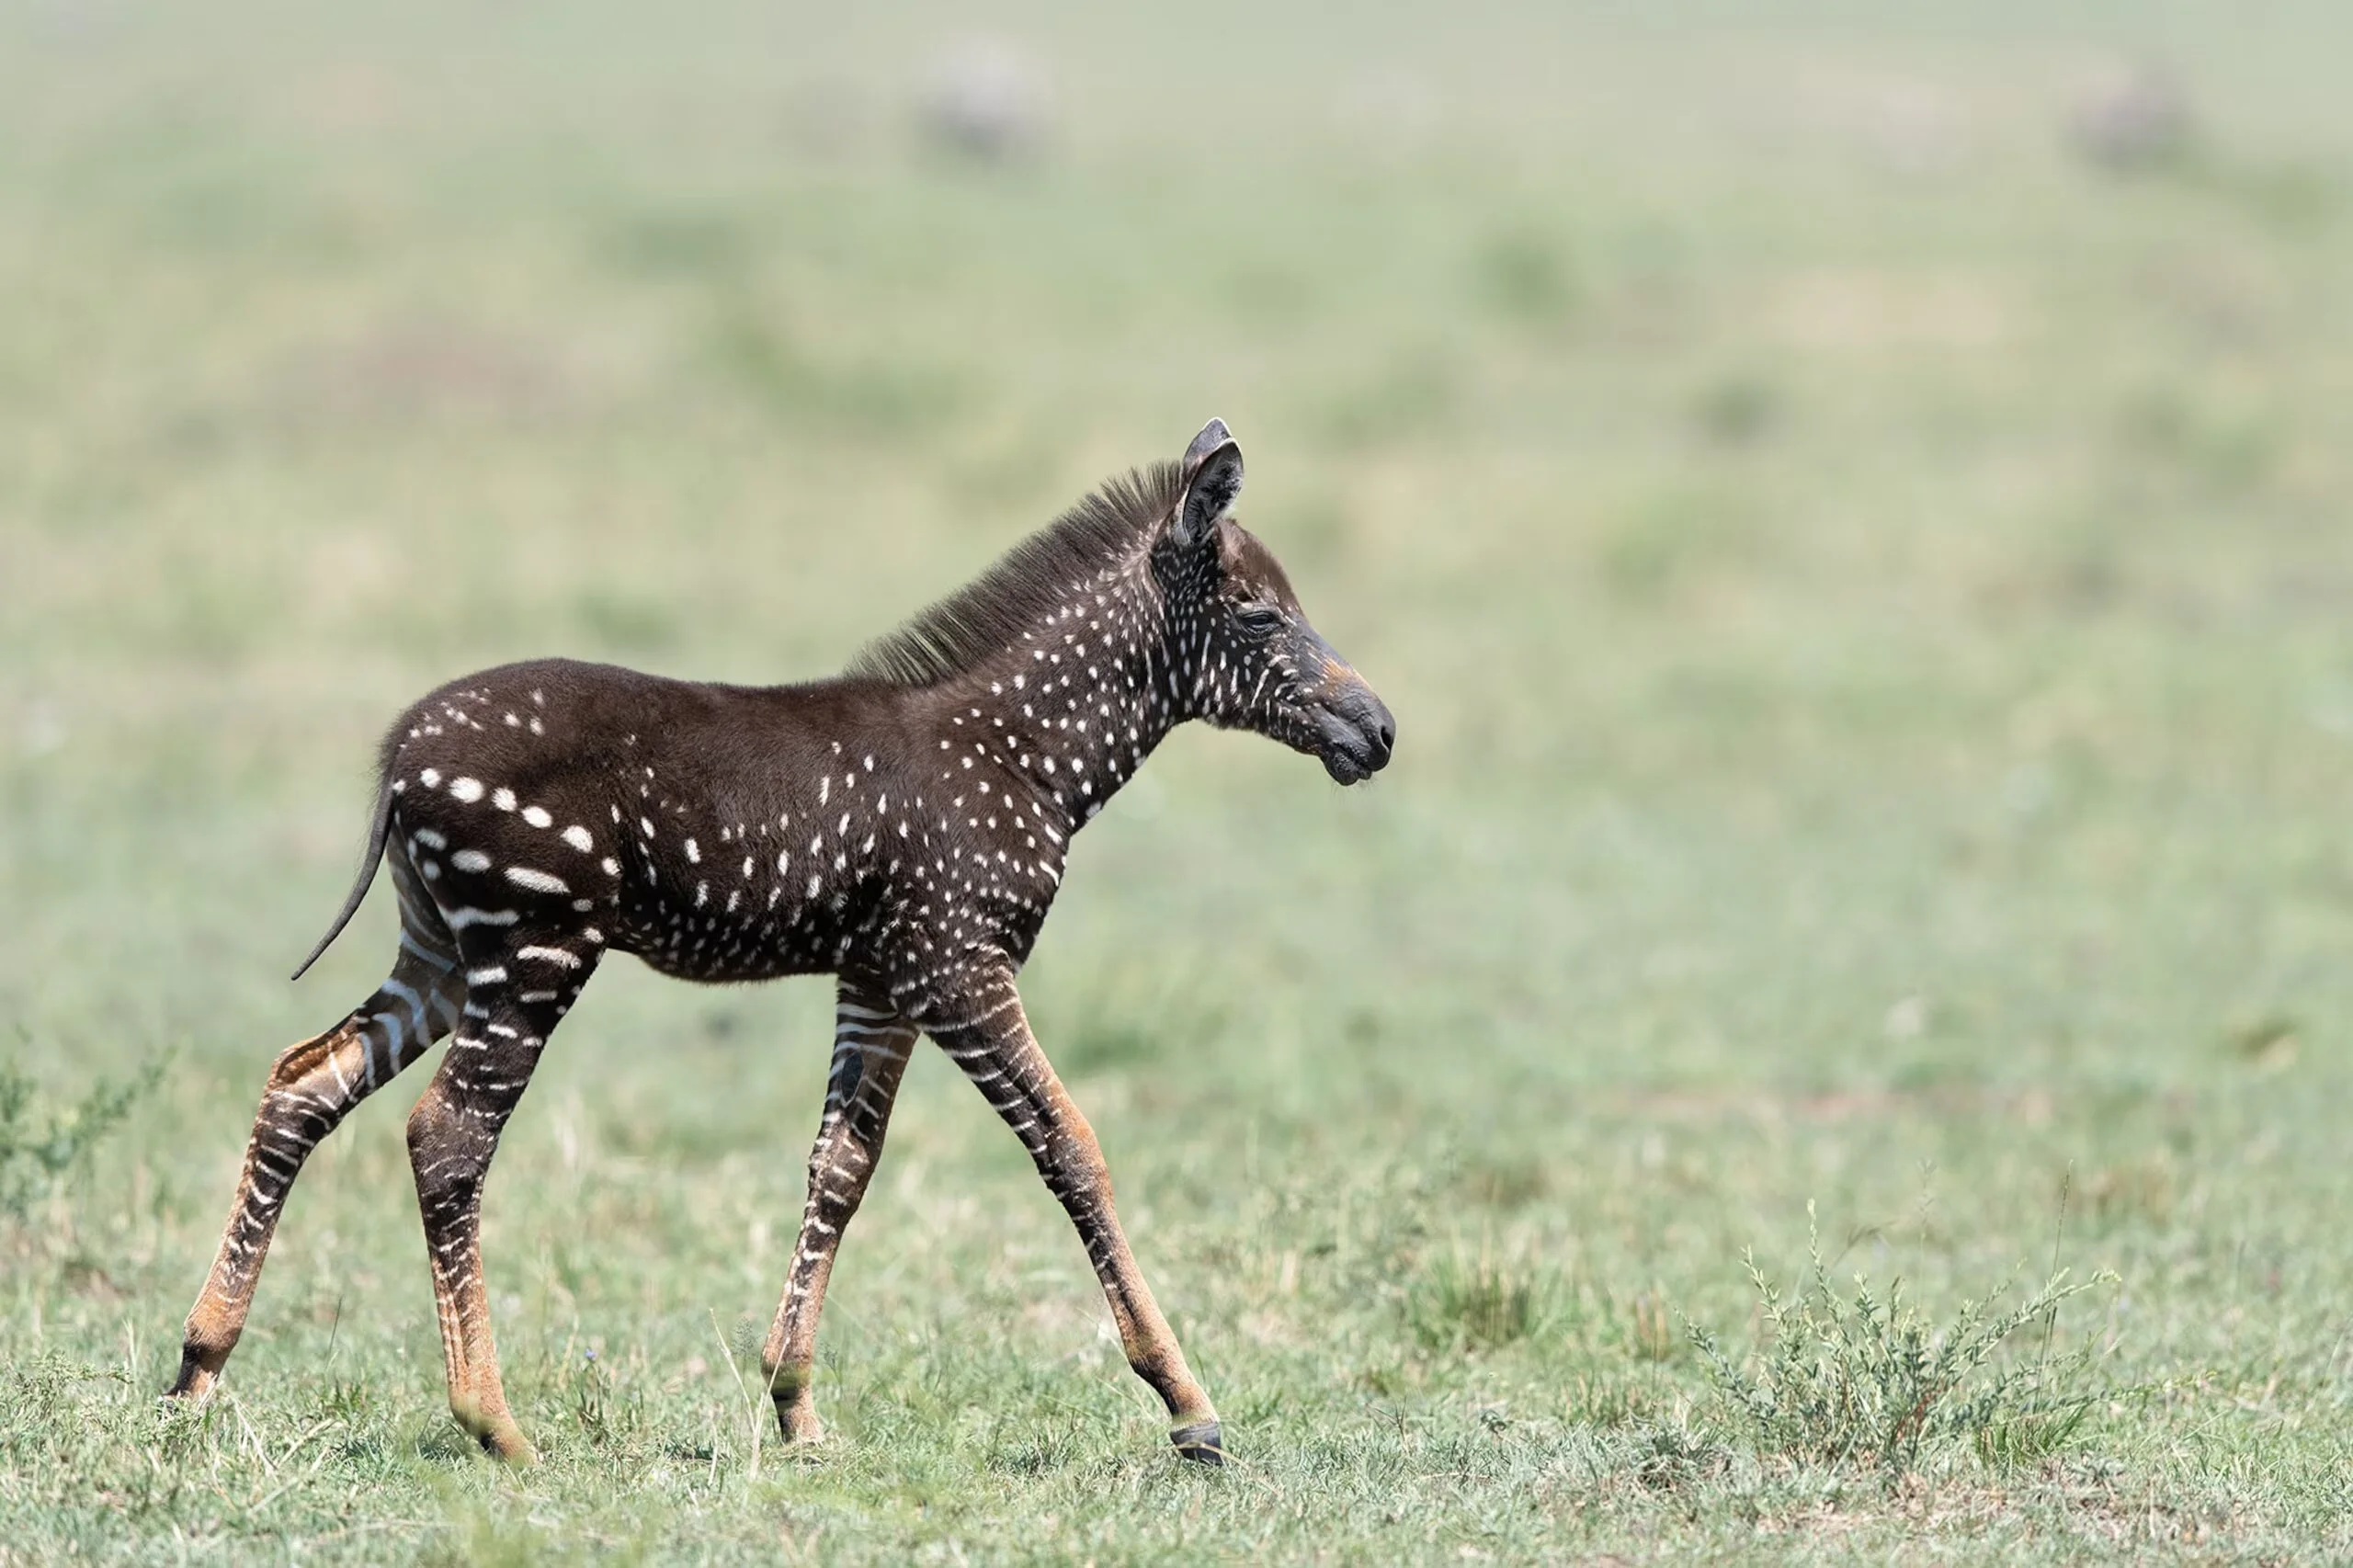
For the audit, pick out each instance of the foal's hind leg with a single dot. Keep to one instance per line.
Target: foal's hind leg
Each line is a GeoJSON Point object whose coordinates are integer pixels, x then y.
{"type": "Point", "coordinates": [313, 1085]}
{"type": "Point", "coordinates": [872, 1043]}
{"type": "Point", "coordinates": [515, 991]}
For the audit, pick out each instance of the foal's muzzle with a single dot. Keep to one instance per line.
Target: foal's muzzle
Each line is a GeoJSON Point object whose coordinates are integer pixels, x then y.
{"type": "Point", "coordinates": [1355, 732]}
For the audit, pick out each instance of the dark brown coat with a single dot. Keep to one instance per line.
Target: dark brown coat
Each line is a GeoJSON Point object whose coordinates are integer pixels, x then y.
{"type": "Point", "coordinates": [903, 827]}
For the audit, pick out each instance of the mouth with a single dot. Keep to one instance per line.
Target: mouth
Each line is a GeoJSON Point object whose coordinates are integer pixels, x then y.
{"type": "Point", "coordinates": [1345, 769]}
{"type": "Point", "coordinates": [1355, 745]}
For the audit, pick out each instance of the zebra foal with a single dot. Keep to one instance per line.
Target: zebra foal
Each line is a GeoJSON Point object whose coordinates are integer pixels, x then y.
{"type": "Point", "coordinates": [902, 828]}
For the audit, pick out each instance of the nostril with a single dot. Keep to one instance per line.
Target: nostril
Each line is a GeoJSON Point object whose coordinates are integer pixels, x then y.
{"type": "Point", "coordinates": [1388, 732]}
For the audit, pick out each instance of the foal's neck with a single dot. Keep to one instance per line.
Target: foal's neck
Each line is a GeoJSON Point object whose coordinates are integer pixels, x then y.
{"type": "Point", "coordinates": [1075, 704]}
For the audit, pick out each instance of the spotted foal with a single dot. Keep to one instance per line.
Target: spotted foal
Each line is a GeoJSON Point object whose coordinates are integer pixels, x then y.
{"type": "Point", "coordinates": [902, 828]}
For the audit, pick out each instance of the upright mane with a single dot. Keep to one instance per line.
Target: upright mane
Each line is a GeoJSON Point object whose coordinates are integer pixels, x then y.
{"type": "Point", "coordinates": [983, 618]}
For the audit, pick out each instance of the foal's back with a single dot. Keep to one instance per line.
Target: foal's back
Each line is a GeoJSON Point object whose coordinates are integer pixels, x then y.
{"type": "Point", "coordinates": [717, 832]}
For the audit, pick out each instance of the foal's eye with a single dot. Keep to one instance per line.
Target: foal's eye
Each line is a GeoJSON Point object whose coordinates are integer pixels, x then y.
{"type": "Point", "coordinates": [1261, 617]}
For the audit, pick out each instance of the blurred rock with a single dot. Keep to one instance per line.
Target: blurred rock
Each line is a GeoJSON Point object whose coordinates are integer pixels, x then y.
{"type": "Point", "coordinates": [2137, 118]}
{"type": "Point", "coordinates": [989, 100]}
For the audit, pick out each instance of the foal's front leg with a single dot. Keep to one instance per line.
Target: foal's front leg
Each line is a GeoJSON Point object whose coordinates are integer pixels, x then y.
{"type": "Point", "coordinates": [994, 1046]}
{"type": "Point", "coordinates": [871, 1046]}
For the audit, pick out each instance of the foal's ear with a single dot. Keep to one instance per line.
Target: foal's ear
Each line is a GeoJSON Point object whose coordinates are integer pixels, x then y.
{"type": "Point", "coordinates": [1212, 475]}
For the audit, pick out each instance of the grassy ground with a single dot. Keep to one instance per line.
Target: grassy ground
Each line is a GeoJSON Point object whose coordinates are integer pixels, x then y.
{"type": "Point", "coordinates": [1863, 595]}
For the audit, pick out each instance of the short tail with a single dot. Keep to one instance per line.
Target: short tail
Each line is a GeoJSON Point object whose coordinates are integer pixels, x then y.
{"type": "Point", "coordinates": [376, 835]}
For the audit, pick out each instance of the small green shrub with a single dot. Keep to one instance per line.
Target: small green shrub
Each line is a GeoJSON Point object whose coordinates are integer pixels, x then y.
{"type": "Point", "coordinates": [1870, 1384]}
{"type": "Point", "coordinates": [41, 1147]}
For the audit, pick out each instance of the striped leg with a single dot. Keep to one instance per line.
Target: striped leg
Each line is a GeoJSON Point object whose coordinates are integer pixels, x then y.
{"type": "Point", "coordinates": [515, 993]}
{"type": "Point", "coordinates": [871, 1046]}
{"type": "Point", "coordinates": [312, 1086]}
{"type": "Point", "coordinates": [997, 1051]}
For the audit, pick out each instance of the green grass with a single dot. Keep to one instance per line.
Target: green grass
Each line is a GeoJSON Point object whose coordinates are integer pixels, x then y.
{"type": "Point", "coordinates": [1863, 593]}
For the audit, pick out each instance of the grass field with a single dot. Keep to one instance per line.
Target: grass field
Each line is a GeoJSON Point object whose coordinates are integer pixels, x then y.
{"type": "Point", "coordinates": [1863, 590]}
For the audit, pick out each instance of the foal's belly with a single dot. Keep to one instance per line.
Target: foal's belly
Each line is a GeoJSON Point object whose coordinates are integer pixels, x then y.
{"type": "Point", "coordinates": [726, 968]}
{"type": "Point", "coordinates": [719, 945]}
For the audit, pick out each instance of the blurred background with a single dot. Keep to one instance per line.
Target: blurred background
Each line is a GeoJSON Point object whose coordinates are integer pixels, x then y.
{"type": "Point", "coordinates": [1846, 502]}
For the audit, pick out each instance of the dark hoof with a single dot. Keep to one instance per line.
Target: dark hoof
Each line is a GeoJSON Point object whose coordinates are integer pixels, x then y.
{"type": "Point", "coordinates": [1203, 1442]}
{"type": "Point", "coordinates": [199, 1372]}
